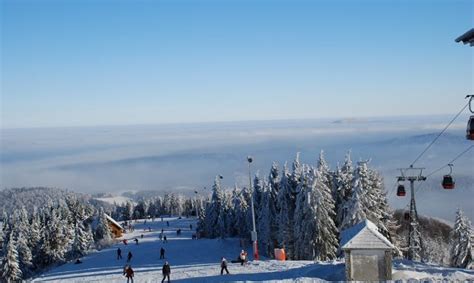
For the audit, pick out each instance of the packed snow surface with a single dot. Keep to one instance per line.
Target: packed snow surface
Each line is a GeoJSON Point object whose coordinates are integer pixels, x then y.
{"type": "Point", "coordinates": [199, 261]}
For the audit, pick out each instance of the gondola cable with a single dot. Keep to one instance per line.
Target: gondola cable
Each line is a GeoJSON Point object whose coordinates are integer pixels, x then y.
{"type": "Point", "coordinates": [439, 135]}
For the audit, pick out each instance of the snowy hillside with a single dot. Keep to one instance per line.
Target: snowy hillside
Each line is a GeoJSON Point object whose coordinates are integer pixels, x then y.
{"type": "Point", "coordinates": [198, 261]}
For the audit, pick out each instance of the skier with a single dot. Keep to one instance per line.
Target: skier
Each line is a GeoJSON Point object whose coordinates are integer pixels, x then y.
{"type": "Point", "coordinates": [129, 256]}
{"type": "Point", "coordinates": [161, 236]}
{"type": "Point", "coordinates": [166, 272]}
{"type": "Point", "coordinates": [124, 241]}
{"type": "Point", "coordinates": [164, 239]}
{"type": "Point", "coordinates": [162, 253]}
{"type": "Point", "coordinates": [224, 266]}
{"type": "Point", "coordinates": [168, 223]}
{"type": "Point", "coordinates": [129, 273]}
{"type": "Point", "coordinates": [119, 253]}
{"type": "Point", "coordinates": [243, 257]}
{"type": "Point", "coordinates": [136, 241]}
{"type": "Point", "coordinates": [190, 226]}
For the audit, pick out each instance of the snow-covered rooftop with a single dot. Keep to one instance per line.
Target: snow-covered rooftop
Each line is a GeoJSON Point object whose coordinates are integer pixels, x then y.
{"type": "Point", "coordinates": [113, 221]}
{"type": "Point", "coordinates": [364, 235]}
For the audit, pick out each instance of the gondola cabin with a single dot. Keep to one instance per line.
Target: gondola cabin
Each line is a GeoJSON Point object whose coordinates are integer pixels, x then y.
{"type": "Point", "coordinates": [448, 182]}
{"type": "Point", "coordinates": [470, 129]}
{"type": "Point", "coordinates": [401, 191]}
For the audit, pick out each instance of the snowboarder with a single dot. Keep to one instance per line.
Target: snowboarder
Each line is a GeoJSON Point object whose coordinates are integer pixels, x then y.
{"type": "Point", "coordinates": [129, 273]}
{"type": "Point", "coordinates": [136, 241]}
{"type": "Point", "coordinates": [162, 253]}
{"type": "Point", "coordinates": [224, 266]}
{"type": "Point", "coordinates": [166, 272]}
{"type": "Point", "coordinates": [129, 256]}
{"type": "Point", "coordinates": [164, 239]}
{"type": "Point", "coordinates": [119, 254]}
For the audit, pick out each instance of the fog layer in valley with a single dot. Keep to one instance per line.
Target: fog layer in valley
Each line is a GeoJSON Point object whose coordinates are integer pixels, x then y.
{"type": "Point", "coordinates": [187, 157]}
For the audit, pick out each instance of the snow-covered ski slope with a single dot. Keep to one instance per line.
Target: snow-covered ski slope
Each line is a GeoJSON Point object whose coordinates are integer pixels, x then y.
{"type": "Point", "coordinates": [199, 261]}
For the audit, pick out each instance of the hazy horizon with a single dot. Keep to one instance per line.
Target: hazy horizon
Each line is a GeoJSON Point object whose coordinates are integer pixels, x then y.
{"type": "Point", "coordinates": [187, 157]}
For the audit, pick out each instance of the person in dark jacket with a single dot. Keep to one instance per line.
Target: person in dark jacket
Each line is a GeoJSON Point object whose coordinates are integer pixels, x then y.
{"type": "Point", "coordinates": [224, 266]}
{"type": "Point", "coordinates": [119, 253]}
{"type": "Point", "coordinates": [129, 256]}
{"type": "Point", "coordinates": [166, 272]}
{"type": "Point", "coordinates": [162, 253]}
{"type": "Point", "coordinates": [129, 273]}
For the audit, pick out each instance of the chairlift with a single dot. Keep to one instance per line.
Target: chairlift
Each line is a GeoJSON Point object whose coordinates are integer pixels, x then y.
{"type": "Point", "coordinates": [448, 181]}
{"type": "Point", "coordinates": [401, 190]}
{"type": "Point", "coordinates": [470, 123]}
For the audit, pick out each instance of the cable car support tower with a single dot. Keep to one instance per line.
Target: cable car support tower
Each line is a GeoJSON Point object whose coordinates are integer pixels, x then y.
{"type": "Point", "coordinates": [414, 235]}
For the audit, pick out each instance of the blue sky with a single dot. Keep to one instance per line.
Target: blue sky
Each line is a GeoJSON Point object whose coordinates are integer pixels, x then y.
{"type": "Point", "coordinates": [80, 63]}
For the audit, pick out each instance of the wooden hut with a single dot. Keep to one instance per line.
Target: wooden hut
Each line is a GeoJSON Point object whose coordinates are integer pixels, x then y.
{"type": "Point", "coordinates": [115, 227]}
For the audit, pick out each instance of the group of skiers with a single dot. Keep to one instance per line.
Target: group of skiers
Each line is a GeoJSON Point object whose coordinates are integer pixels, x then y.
{"type": "Point", "coordinates": [119, 255]}
{"type": "Point", "coordinates": [166, 270]}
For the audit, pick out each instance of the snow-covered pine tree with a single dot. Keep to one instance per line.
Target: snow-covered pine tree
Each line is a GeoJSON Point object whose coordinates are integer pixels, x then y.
{"type": "Point", "coordinates": [343, 189]}
{"type": "Point", "coordinates": [81, 243]}
{"type": "Point", "coordinates": [257, 194]}
{"type": "Point", "coordinates": [325, 240]}
{"type": "Point", "coordinates": [222, 226]}
{"type": "Point", "coordinates": [10, 269]}
{"type": "Point", "coordinates": [264, 221]}
{"type": "Point", "coordinates": [286, 203]}
{"type": "Point", "coordinates": [25, 258]}
{"type": "Point", "coordinates": [356, 206]}
{"type": "Point", "coordinates": [201, 224]}
{"type": "Point", "coordinates": [128, 211]}
{"type": "Point", "coordinates": [273, 190]}
{"type": "Point", "coordinates": [300, 217]}
{"type": "Point", "coordinates": [325, 172]}
{"type": "Point", "coordinates": [213, 217]}
{"type": "Point", "coordinates": [241, 208]}
{"type": "Point", "coordinates": [102, 232]}
{"type": "Point", "coordinates": [461, 246]}
{"type": "Point", "coordinates": [379, 211]}
{"type": "Point", "coordinates": [34, 234]}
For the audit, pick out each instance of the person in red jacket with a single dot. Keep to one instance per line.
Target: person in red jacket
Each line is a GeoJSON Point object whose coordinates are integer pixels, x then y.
{"type": "Point", "coordinates": [129, 273]}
